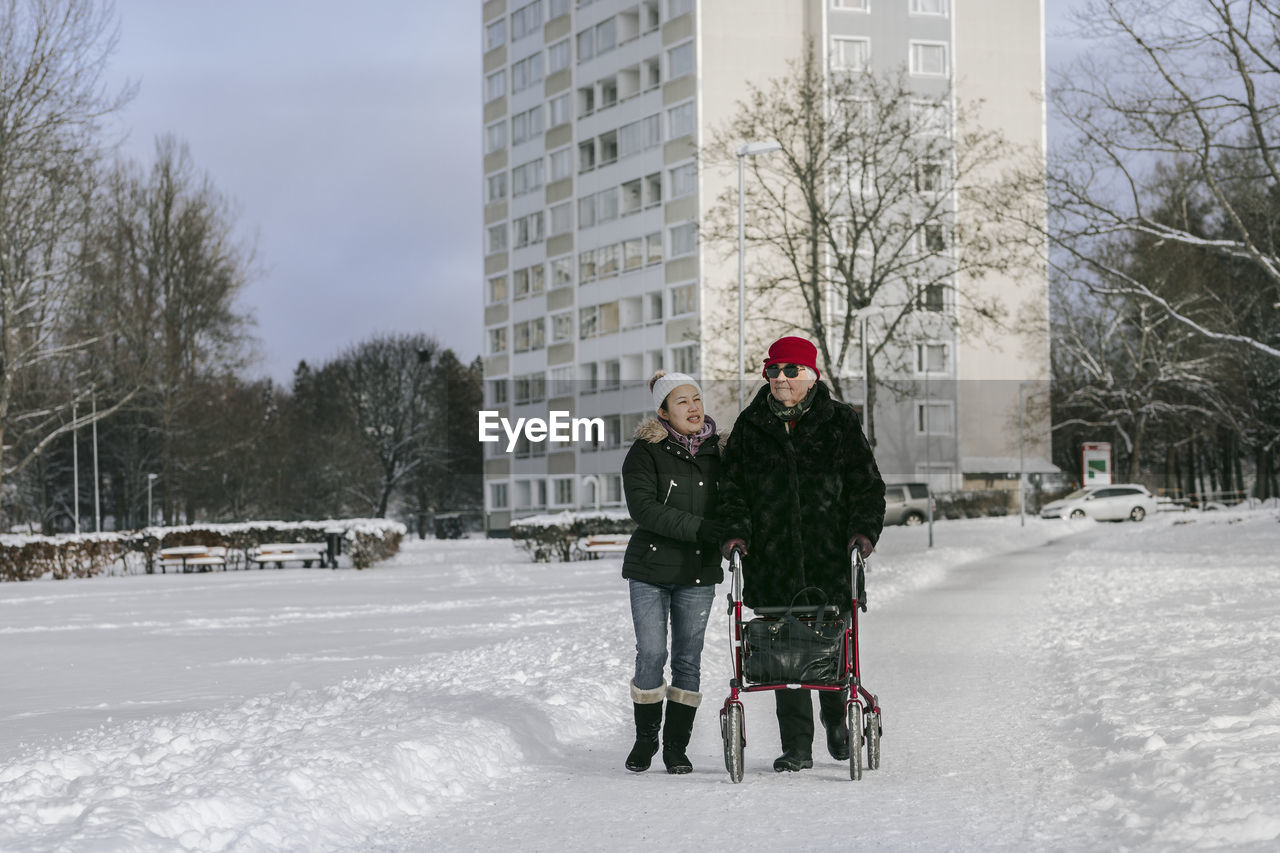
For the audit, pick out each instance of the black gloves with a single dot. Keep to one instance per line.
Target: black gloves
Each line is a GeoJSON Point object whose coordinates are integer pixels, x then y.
{"type": "Point", "coordinates": [712, 531]}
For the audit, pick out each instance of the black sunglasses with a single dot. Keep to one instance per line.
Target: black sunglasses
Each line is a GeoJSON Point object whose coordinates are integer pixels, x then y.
{"type": "Point", "coordinates": [791, 371]}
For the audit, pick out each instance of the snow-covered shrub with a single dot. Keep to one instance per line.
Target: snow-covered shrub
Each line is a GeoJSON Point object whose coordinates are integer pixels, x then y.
{"type": "Point", "coordinates": [555, 534]}
{"type": "Point", "coordinates": [369, 541]}
{"type": "Point", "coordinates": [29, 557]}
{"type": "Point", "coordinates": [973, 503]}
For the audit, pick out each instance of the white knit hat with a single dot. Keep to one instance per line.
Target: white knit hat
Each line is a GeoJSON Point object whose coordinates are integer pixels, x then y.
{"type": "Point", "coordinates": [668, 383]}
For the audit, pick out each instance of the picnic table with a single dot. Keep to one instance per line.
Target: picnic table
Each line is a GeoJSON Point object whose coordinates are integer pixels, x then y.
{"type": "Point", "coordinates": [193, 558]}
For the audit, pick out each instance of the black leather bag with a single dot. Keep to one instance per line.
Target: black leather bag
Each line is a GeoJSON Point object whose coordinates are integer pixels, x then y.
{"type": "Point", "coordinates": [790, 649]}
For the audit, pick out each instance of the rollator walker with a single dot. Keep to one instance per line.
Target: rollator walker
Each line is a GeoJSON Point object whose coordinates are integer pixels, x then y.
{"type": "Point", "coordinates": [800, 647]}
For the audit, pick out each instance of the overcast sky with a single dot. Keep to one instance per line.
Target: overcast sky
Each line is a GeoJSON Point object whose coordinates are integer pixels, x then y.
{"type": "Point", "coordinates": [348, 133]}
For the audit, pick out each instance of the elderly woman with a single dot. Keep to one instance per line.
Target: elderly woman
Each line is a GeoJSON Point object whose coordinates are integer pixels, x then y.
{"type": "Point", "coordinates": [798, 492]}
{"type": "Point", "coordinates": [672, 562]}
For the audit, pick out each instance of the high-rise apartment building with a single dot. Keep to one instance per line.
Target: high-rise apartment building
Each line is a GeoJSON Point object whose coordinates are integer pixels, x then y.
{"type": "Point", "coordinates": [594, 111]}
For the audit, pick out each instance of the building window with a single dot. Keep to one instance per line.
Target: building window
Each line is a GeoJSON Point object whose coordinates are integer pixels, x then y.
{"type": "Point", "coordinates": [526, 125]}
{"type": "Point", "coordinates": [559, 56]}
{"type": "Point", "coordinates": [639, 135]}
{"type": "Point", "coordinates": [525, 20]}
{"type": "Point", "coordinates": [632, 254]}
{"type": "Point", "coordinates": [497, 391]}
{"type": "Point", "coordinates": [498, 340]}
{"type": "Point", "coordinates": [680, 60]}
{"type": "Point", "coordinates": [560, 113]}
{"type": "Point", "coordinates": [586, 45]}
{"type": "Point", "coordinates": [586, 267]}
{"type": "Point", "coordinates": [934, 237]}
{"type": "Point", "coordinates": [607, 260]}
{"type": "Point", "coordinates": [527, 230]}
{"type": "Point", "coordinates": [683, 180]}
{"type": "Point", "coordinates": [850, 54]}
{"type": "Point", "coordinates": [495, 34]}
{"type": "Point", "coordinates": [527, 281]}
{"type": "Point", "coordinates": [606, 36]}
{"type": "Point", "coordinates": [676, 8]}
{"type": "Point", "coordinates": [561, 164]}
{"type": "Point", "coordinates": [562, 381]}
{"type": "Point", "coordinates": [562, 271]}
{"type": "Point", "coordinates": [527, 72]}
{"type": "Point", "coordinates": [586, 156]}
{"type": "Point", "coordinates": [530, 388]}
{"type": "Point", "coordinates": [932, 359]}
{"type": "Point", "coordinates": [612, 375]}
{"type": "Point", "coordinates": [526, 178]}
{"type": "Point", "coordinates": [497, 496]}
{"type": "Point", "coordinates": [562, 327]}
{"type": "Point", "coordinates": [495, 187]}
{"type": "Point", "coordinates": [680, 120]}
{"type": "Point", "coordinates": [608, 144]}
{"type": "Point", "coordinates": [562, 491]}
{"type": "Point", "coordinates": [852, 5]}
{"type": "Point", "coordinates": [928, 59]}
{"type": "Point", "coordinates": [495, 86]}
{"type": "Point", "coordinates": [684, 239]}
{"type": "Point", "coordinates": [497, 238]}
{"type": "Point", "coordinates": [929, 177]}
{"type": "Point", "coordinates": [653, 314]}
{"type": "Point", "coordinates": [684, 300]}
{"type": "Point", "coordinates": [936, 418]}
{"type": "Point", "coordinates": [586, 211]}
{"type": "Point", "coordinates": [932, 297]}
{"type": "Point", "coordinates": [684, 359]}
{"type": "Point", "coordinates": [607, 205]}
{"type": "Point", "coordinates": [653, 248]}
{"type": "Point", "coordinates": [498, 289]}
{"type": "Point", "coordinates": [529, 335]}
{"type": "Point", "coordinates": [557, 8]}
{"type": "Point", "coordinates": [928, 7]}
{"type": "Point", "coordinates": [561, 218]}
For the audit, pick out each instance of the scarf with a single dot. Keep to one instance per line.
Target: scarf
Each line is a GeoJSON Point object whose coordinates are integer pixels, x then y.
{"type": "Point", "coordinates": [791, 414]}
{"type": "Point", "coordinates": [691, 442]}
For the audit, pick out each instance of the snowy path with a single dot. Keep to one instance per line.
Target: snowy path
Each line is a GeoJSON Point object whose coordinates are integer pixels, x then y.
{"type": "Point", "coordinates": [960, 678]}
{"type": "Point", "coordinates": [1096, 687]}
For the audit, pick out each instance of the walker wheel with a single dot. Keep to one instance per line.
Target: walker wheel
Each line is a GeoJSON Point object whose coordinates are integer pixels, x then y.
{"type": "Point", "coordinates": [873, 733]}
{"type": "Point", "coordinates": [854, 722]}
{"type": "Point", "coordinates": [732, 731]}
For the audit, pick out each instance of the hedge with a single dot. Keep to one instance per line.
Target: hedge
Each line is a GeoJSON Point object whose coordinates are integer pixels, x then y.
{"type": "Point", "coordinates": [84, 555]}
{"type": "Point", "coordinates": [545, 536]}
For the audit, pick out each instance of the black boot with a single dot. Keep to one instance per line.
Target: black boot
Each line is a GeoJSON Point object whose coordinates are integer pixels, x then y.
{"type": "Point", "coordinates": [832, 714]}
{"type": "Point", "coordinates": [682, 705]}
{"type": "Point", "coordinates": [795, 728]}
{"type": "Point", "coordinates": [648, 710]}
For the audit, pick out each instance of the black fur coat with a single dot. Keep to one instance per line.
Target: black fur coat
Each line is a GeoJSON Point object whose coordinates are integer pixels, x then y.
{"type": "Point", "coordinates": [798, 499]}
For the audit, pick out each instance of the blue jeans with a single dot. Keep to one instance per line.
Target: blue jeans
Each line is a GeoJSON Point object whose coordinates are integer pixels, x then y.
{"type": "Point", "coordinates": [688, 608]}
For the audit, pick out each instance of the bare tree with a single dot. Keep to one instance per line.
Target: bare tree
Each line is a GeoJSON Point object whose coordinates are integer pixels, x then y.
{"type": "Point", "coordinates": [857, 213]}
{"type": "Point", "coordinates": [1193, 86]}
{"type": "Point", "coordinates": [389, 385]}
{"type": "Point", "coordinates": [53, 100]}
{"type": "Point", "coordinates": [162, 271]}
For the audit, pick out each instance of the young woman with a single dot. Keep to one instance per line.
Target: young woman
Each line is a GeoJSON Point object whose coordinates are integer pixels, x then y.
{"type": "Point", "coordinates": [672, 563]}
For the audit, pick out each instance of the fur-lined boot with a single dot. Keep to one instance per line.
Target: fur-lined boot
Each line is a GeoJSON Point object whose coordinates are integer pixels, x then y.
{"type": "Point", "coordinates": [648, 710]}
{"type": "Point", "coordinates": [682, 705]}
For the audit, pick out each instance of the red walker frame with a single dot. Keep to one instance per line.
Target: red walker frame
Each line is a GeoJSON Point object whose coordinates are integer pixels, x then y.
{"type": "Point", "coordinates": [862, 708]}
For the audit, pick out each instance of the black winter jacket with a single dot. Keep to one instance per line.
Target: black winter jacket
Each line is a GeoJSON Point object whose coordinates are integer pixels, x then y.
{"type": "Point", "coordinates": [668, 493]}
{"type": "Point", "coordinates": [798, 499]}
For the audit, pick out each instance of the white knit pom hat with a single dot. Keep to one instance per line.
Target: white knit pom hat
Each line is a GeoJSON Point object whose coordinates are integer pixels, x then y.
{"type": "Point", "coordinates": [668, 383]}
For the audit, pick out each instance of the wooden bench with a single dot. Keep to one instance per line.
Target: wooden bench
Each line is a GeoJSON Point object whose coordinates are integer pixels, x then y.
{"type": "Point", "coordinates": [603, 543]}
{"type": "Point", "coordinates": [289, 552]}
{"type": "Point", "coordinates": [192, 558]}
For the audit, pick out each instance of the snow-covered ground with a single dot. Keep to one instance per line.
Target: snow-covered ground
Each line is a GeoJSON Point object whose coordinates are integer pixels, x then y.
{"type": "Point", "coordinates": [1060, 686]}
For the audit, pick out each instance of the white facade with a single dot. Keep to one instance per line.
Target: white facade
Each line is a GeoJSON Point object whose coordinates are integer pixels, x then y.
{"type": "Point", "coordinates": [594, 278]}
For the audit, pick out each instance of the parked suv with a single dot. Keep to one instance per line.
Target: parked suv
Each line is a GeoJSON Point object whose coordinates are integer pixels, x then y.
{"type": "Point", "coordinates": [1114, 502]}
{"type": "Point", "coordinates": [906, 503]}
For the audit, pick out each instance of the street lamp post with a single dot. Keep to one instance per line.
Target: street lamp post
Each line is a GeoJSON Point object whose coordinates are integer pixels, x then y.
{"type": "Point", "coordinates": [151, 478]}
{"type": "Point", "coordinates": [75, 469]}
{"type": "Point", "coordinates": [97, 503]}
{"type": "Point", "coordinates": [1022, 464]}
{"type": "Point", "coordinates": [746, 149]}
{"type": "Point", "coordinates": [928, 451]}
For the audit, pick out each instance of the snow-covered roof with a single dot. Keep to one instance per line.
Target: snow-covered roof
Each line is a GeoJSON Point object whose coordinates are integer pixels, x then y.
{"type": "Point", "coordinates": [1007, 465]}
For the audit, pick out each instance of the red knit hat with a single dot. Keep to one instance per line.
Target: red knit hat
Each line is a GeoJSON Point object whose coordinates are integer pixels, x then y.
{"type": "Point", "coordinates": [792, 350]}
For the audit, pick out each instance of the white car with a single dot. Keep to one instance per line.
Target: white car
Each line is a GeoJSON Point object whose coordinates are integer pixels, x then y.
{"type": "Point", "coordinates": [1115, 502]}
